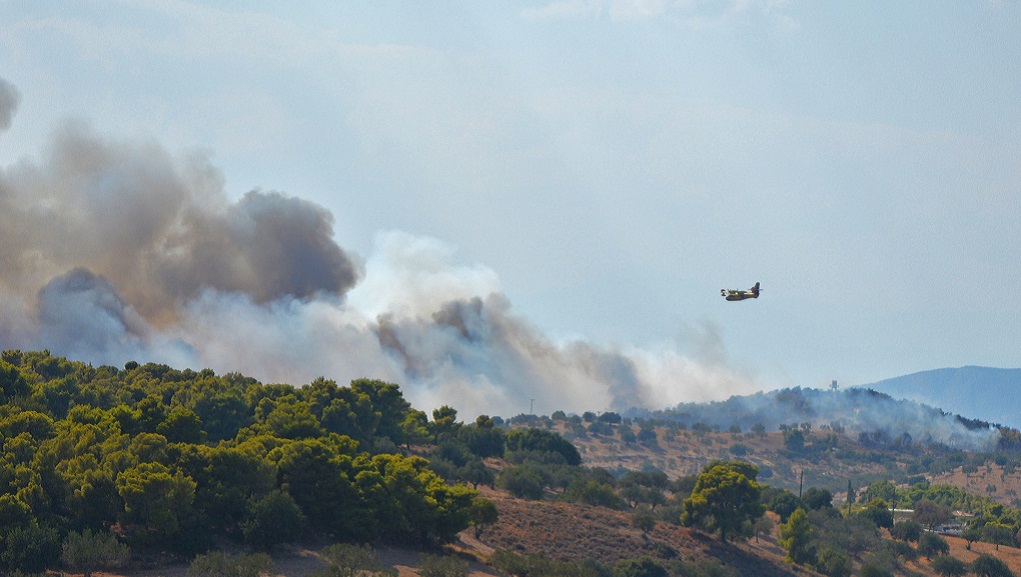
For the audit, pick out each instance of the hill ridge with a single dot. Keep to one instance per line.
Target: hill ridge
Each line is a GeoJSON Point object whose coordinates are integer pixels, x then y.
{"type": "Point", "coordinates": [987, 393]}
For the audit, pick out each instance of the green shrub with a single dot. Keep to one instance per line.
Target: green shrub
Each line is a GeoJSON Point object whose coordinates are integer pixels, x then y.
{"type": "Point", "coordinates": [948, 566]}
{"type": "Point", "coordinates": [834, 563]}
{"type": "Point", "coordinates": [443, 566]}
{"type": "Point", "coordinates": [522, 481]}
{"type": "Point", "coordinates": [273, 519]}
{"type": "Point", "coordinates": [89, 551]}
{"type": "Point", "coordinates": [931, 544]}
{"type": "Point", "coordinates": [985, 565]}
{"type": "Point", "coordinates": [640, 567]}
{"type": "Point", "coordinates": [347, 560]}
{"type": "Point", "coordinates": [218, 564]}
{"type": "Point", "coordinates": [703, 568]}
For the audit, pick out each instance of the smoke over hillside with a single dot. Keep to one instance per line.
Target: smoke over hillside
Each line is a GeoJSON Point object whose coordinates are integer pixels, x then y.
{"type": "Point", "coordinates": [113, 251]}
{"type": "Point", "coordinates": [875, 417]}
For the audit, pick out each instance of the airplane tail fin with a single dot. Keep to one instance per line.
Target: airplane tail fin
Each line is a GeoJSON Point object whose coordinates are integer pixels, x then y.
{"type": "Point", "coordinates": [755, 290]}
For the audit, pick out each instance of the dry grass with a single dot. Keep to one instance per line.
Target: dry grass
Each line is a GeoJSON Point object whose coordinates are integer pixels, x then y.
{"type": "Point", "coordinates": [989, 481]}
{"type": "Point", "coordinates": [685, 452]}
{"type": "Point", "coordinates": [571, 532]}
{"type": "Point", "coordinates": [958, 548]}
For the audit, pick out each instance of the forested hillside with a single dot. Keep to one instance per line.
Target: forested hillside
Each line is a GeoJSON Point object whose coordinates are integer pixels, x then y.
{"type": "Point", "coordinates": [102, 465]}
{"type": "Point", "coordinates": [169, 459]}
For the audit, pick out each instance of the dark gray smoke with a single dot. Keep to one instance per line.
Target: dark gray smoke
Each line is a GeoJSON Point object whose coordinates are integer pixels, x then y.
{"type": "Point", "coordinates": [9, 100]}
{"type": "Point", "coordinates": [159, 229]}
{"type": "Point", "coordinates": [267, 246]}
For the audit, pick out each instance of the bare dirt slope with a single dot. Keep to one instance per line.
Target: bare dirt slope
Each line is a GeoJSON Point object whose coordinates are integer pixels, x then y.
{"type": "Point", "coordinates": [990, 480]}
{"type": "Point", "coordinates": [571, 532]}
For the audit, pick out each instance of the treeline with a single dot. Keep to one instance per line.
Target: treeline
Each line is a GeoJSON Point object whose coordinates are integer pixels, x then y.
{"type": "Point", "coordinates": [146, 456]}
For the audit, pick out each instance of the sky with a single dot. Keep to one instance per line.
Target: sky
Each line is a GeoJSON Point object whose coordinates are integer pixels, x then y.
{"type": "Point", "coordinates": [515, 204]}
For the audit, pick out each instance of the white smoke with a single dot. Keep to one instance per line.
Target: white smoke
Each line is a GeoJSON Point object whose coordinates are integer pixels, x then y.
{"type": "Point", "coordinates": [878, 416]}
{"type": "Point", "coordinates": [469, 351]}
{"type": "Point", "coordinates": [115, 251]}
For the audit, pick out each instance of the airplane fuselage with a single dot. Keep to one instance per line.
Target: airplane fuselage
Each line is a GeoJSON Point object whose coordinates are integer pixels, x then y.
{"type": "Point", "coordinates": [739, 295]}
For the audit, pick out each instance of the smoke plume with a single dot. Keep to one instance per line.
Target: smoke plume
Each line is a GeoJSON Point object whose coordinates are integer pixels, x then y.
{"type": "Point", "coordinates": [117, 250]}
{"type": "Point", "coordinates": [9, 100]}
{"type": "Point", "coordinates": [160, 229]}
{"type": "Point", "coordinates": [113, 251]}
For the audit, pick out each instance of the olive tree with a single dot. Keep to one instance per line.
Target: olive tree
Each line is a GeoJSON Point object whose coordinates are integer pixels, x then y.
{"type": "Point", "coordinates": [725, 499]}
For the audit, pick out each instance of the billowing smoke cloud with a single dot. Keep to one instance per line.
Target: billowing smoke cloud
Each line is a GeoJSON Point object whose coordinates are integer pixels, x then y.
{"type": "Point", "coordinates": [479, 340]}
{"type": "Point", "coordinates": [112, 251]}
{"type": "Point", "coordinates": [160, 229]}
{"type": "Point", "coordinates": [468, 350]}
{"type": "Point", "coordinates": [9, 100]}
{"type": "Point", "coordinates": [81, 315]}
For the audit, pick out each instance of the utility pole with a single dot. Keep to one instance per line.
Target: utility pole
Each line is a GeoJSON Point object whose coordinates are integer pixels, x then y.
{"type": "Point", "coordinates": [531, 406]}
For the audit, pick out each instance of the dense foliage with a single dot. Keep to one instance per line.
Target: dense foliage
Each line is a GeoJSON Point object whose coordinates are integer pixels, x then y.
{"type": "Point", "coordinates": [725, 499]}
{"type": "Point", "coordinates": [157, 457]}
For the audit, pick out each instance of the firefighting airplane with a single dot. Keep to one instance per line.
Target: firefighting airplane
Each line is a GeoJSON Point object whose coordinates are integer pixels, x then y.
{"type": "Point", "coordinates": [739, 295]}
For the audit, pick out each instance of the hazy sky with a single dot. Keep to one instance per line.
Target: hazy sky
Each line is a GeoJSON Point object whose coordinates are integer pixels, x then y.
{"type": "Point", "coordinates": [608, 166]}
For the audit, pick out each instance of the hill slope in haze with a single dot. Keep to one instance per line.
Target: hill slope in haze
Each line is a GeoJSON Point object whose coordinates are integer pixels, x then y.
{"type": "Point", "coordinates": [857, 411]}
{"type": "Point", "coordinates": [979, 392]}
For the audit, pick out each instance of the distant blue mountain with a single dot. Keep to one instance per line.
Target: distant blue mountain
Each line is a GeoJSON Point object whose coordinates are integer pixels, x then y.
{"type": "Point", "coordinates": [992, 395]}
